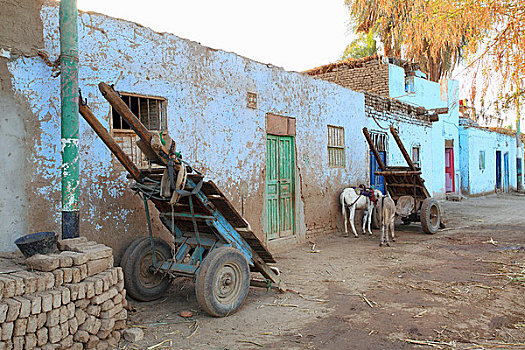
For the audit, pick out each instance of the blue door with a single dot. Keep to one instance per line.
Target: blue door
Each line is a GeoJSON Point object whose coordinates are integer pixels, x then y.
{"type": "Point", "coordinates": [376, 181]}
{"type": "Point", "coordinates": [498, 170]}
{"type": "Point", "coordinates": [506, 172]}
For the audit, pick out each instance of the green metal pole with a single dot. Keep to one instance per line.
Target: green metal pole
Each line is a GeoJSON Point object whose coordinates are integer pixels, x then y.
{"type": "Point", "coordinates": [69, 117]}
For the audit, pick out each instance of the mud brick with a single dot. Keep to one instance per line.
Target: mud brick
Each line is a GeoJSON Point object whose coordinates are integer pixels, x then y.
{"type": "Point", "coordinates": [65, 295]}
{"type": "Point", "coordinates": [41, 262]}
{"type": "Point", "coordinates": [68, 274]}
{"type": "Point", "coordinates": [123, 293]}
{"type": "Point", "coordinates": [25, 306]}
{"type": "Point", "coordinates": [92, 342]}
{"type": "Point", "coordinates": [116, 335]}
{"type": "Point", "coordinates": [32, 324]}
{"type": "Point", "coordinates": [57, 298]}
{"type": "Point", "coordinates": [2, 345]}
{"type": "Point", "coordinates": [7, 330]}
{"type": "Point", "coordinates": [109, 294]}
{"type": "Point", "coordinates": [81, 336]}
{"type": "Point", "coordinates": [120, 286]}
{"type": "Point", "coordinates": [124, 303]}
{"type": "Point", "coordinates": [64, 314]}
{"type": "Point", "coordinates": [122, 315]}
{"type": "Point", "coordinates": [47, 301]}
{"type": "Point", "coordinates": [18, 343]}
{"type": "Point", "coordinates": [96, 326]}
{"type": "Point", "coordinates": [1, 290]}
{"type": "Point", "coordinates": [8, 344]}
{"type": "Point", "coordinates": [30, 341]}
{"type": "Point", "coordinates": [83, 271]}
{"type": "Point", "coordinates": [30, 280]}
{"type": "Point", "coordinates": [77, 346]}
{"type": "Point", "coordinates": [73, 325]}
{"type": "Point", "coordinates": [8, 287]}
{"type": "Point", "coordinates": [108, 304]}
{"type": "Point", "coordinates": [41, 281]}
{"type": "Point", "coordinates": [54, 334]}
{"type": "Point", "coordinates": [36, 303]}
{"type": "Point", "coordinates": [97, 283]}
{"type": "Point", "coordinates": [117, 299]}
{"type": "Point", "coordinates": [41, 319]}
{"type": "Point", "coordinates": [67, 342]}
{"type": "Point", "coordinates": [50, 346]}
{"type": "Point", "coordinates": [64, 327]}
{"type": "Point", "coordinates": [71, 308]}
{"type": "Point", "coordinates": [99, 265]}
{"type": "Point", "coordinates": [78, 258]}
{"type": "Point", "coordinates": [107, 324]}
{"type": "Point", "coordinates": [102, 345]}
{"type": "Point", "coordinates": [94, 251]}
{"type": "Point", "coordinates": [4, 307]}
{"type": "Point", "coordinates": [19, 283]}
{"type": "Point", "coordinates": [49, 278]}
{"type": "Point", "coordinates": [88, 324]}
{"type": "Point", "coordinates": [81, 316]}
{"type": "Point", "coordinates": [20, 327]}
{"type": "Point", "coordinates": [120, 324]}
{"type": "Point", "coordinates": [82, 303]}
{"type": "Point", "coordinates": [90, 289]}
{"type": "Point", "coordinates": [76, 276]}
{"type": "Point", "coordinates": [14, 309]}
{"type": "Point", "coordinates": [111, 313]}
{"type": "Point", "coordinates": [67, 244]}
{"type": "Point", "coordinates": [120, 274]}
{"type": "Point", "coordinates": [93, 310]}
{"type": "Point", "coordinates": [41, 336]}
{"type": "Point", "coordinates": [65, 260]}
{"type": "Point", "coordinates": [106, 280]}
{"type": "Point", "coordinates": [59, 277]}
{"type": "Point", "coordinates": [114, 274]}
{"type": "Point", "coordinates": [133, 334]}
{"type": "Point", "coordinates": [53, 318]}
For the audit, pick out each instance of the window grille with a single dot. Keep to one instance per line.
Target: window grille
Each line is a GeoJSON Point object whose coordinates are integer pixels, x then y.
{"type": "Point", "coordinates": [379, 140]}
{"type": "Point", "coordinates": [150, 111]}
{"type": "Point", "coordinates": [336, 146]}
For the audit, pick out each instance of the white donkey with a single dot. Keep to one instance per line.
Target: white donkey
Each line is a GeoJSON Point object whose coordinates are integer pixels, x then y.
{"type": "Point", "coordinates": [386, 209]}
{"type": "Point", "coordinates": [351, 200]}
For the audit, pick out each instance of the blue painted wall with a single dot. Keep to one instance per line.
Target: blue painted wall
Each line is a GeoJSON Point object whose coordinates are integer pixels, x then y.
{"type": "Point", "coordinates": [207, 116]}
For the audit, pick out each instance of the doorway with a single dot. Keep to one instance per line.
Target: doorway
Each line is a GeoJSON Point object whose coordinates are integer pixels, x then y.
{"type": "Point", "coordinates": [280, 208]}
{"type": "Point", "coordinates": [506, 172]}
{"type": "Point", "coordinates": [380, 142]}
{"type": "Point", "coordinates": [449, 170]}
{"type": "Point", "coordinates": [498, 170]}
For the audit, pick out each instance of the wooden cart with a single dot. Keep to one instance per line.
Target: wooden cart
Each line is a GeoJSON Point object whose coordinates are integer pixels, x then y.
{"type": "Point", "coordinates": [407, 188]}
{"type": "Point", "coordinates": [212, 242]}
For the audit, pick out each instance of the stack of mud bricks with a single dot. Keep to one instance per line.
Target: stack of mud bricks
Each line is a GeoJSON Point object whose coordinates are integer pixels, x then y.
{"type": "Point", "coordinates": [74, 299]}
{"type": "Point", "coordinates": [364, 76]}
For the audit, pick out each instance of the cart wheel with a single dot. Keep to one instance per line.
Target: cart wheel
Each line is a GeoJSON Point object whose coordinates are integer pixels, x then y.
{"type": "Point", "coordinates": [140, 281]}
{"type": "Point", "coordinates": [430, 215]}
{"type": "Point", "coordinates": [223, 280]}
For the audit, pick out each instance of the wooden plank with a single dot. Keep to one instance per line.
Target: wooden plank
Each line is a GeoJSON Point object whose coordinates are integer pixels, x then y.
{"type": "Point", "coordinates": [112, 145]}
{"type": "Point", "coordinates": [398, 172]}
{"type": "Point", "coordinates": [268, 273]}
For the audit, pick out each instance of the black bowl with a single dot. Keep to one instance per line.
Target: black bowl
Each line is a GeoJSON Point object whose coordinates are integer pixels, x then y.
{"type": "Point", "coordinates": [37, 243]}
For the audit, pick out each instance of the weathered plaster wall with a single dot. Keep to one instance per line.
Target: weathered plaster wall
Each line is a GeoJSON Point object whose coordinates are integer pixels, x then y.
{"type": "Point", "coordinates": [20, 34]}
{"type": "Point", "coordinates": [207, 116]}
{"type": "Point", "coordinates": [475, 140]}
{"type": "Point", "coordinates": [428, 94]}
{"type": "Point", "coordinates": [413, 131]}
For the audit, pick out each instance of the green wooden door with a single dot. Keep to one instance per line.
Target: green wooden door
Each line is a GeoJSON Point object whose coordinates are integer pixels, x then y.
{"type": "Point", "coordinates": [280, 186]}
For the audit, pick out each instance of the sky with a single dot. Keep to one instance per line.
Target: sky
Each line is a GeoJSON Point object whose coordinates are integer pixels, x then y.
{"type": "Point", "coordinates": [294, 34]}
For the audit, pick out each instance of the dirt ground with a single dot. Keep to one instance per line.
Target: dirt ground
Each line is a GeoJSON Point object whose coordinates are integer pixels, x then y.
{"type": "Point", "coordinates": [461, 288]}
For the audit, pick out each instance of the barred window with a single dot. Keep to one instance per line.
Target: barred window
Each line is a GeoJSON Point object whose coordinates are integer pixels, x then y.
{"type": "Point", "coordinates": [151, 112]}
{"type": "Point", "coordinates": [336, 146]}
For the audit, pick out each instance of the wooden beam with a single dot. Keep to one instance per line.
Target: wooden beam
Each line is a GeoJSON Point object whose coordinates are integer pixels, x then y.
{"type": "Point", "coordinates": [398, 172]}
{"type": "Point", "coordinates": [442, 110]}
{"type": "Point", "coordinates": [402, 148]}
{"type": "Point", "coordinates": [109, 141]}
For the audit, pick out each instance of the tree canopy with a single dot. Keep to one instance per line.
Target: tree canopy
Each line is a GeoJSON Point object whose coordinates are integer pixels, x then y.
{"type": "Point", "coordinates": [363, 46]}
{"type": "Point", "coordinates": [439, 33]}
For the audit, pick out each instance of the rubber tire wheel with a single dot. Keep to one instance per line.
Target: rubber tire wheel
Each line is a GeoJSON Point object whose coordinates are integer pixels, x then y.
{"type": "Point", "coordinates": [430, 215]}
{"type": "Point", "coordinates": [134, 280]}
{"type": "Point", "coordinates": [375, 218]}
{"type": "Point", "coordinates": [218, 265]}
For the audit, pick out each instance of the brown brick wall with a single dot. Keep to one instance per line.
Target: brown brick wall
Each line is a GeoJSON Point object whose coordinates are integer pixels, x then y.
{"type": "Point", "coordinates": [369, 76]}
{"type": "Point", "coordinates": [384, 108]}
